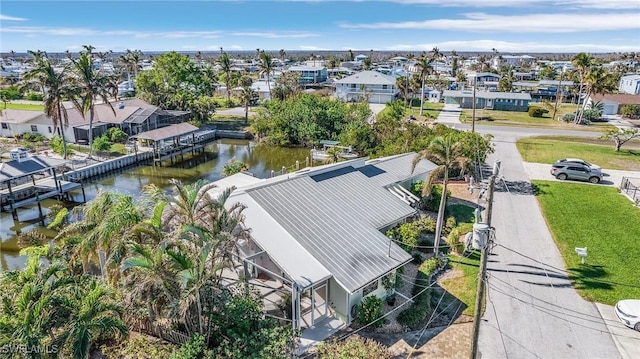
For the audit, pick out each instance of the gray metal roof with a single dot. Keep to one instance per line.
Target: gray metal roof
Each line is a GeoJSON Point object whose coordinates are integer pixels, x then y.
{"type": "Point", "coordinates": [35, 164]}
{"type": "Point", "coordinates": [368, 78]}
{"type": "Point", "coordinates": [391, 170]}
{"type": "Point", "coordinates": [336, 217]}
{"type": "Point", "coordinates": [170, 131]}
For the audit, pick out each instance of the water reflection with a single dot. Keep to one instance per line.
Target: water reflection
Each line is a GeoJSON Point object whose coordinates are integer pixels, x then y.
{"type": "Point", "coordinates": [208, 165]}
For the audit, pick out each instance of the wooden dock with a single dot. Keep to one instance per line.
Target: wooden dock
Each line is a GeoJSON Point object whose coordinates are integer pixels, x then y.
{"type": "Point", "coordinates": [42, 189]}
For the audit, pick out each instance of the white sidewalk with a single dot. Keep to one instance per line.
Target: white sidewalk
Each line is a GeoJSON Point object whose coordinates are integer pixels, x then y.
{"type": "Point", "coordinates": [450, 115]}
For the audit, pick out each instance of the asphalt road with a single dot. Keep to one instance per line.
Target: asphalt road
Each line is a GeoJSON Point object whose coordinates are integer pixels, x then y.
{"type": "Point", "coordinates": [532, 309]}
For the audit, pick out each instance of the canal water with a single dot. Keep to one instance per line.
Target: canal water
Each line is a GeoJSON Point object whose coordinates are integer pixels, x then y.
{"type": "Point", "coordinates": [261, 160]}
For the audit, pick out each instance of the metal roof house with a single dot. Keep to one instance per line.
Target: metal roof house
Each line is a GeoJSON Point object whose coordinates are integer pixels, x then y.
{"type": "Point", "coordinates": [309, 231]}
{"type": "Point", "coordinates": [374, 86]}
{"type": "Point", "coordinates": [489, 100]}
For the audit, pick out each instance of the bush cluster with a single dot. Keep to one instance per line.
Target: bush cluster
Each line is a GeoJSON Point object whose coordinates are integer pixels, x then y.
{"type": "Point", "coordinates": [421, 307]}
{"type": "Point", "coordinates": [370, 310]}
{"type": "Point", "coordinates": [537, 111]}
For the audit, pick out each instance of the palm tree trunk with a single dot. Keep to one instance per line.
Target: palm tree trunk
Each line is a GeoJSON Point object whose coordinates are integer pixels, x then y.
{"type": "Point", "coordinates": [64, 140]}
{"type": "Point", "coordinates": [421, 96]}
{"type": "Point", "coordinates": [91, 131]}
{"type": "Point", "coordinates": [102, 257]}
{"type": "Point", "coordinates": [441, 209]}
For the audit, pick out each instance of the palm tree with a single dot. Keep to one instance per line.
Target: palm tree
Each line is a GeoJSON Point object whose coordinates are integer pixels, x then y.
{"type": "Point", "coordinates": [266, 67]}
{"type": "Point", "coordinates": [282, 54]}
{"type": "Point", "coordinates": [92, 85]}
{"type": "Point", "coordinates": [225, 65]}
{"type": "Point", "coordinates": [96, 314]}
{"type": "Point", "coordinates": [402, 83]}
{"type": "Point", "coordinates": [149, 278]}
{"type": "Point", "coordinates": [56, 87]}
{"type": "Point", "coordinates": [101, 228]}
{"type": "Point", "coordinates": [424, 65]}
{"type": "Point", "coordinates": [582, 62]}
{"type": "Point", "coordinates": [448, 153]}
{"type": "Point", "coordinates": [247, 96]}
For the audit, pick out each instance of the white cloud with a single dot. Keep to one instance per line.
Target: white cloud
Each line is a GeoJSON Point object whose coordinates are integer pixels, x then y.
{"type": "Point", "coordinates": [515, 47]}
{"type": "Point", "coordinates": [271, 35]}
{"type": "Point", "coordinates": [11, 18]}
{"type": "Point", "coordinates": [529, 23]}
{"type": "Point", "coordinates": [312, 48]}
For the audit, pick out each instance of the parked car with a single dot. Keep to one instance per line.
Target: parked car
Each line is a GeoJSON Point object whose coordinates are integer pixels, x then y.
{"type": "Point", "coordinates": [576, 171]}
{"type": "Point", "coordinates": [579, 161]}
{"type": "Point", "coordinates": [628, 312]}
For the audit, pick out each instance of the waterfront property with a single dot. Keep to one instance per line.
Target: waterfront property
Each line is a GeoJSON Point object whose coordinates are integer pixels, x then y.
{"type": "Point", "coordinates": [30, 179]}
{"type": "Point", "coordinates": [131, 116]}
{"type": "Point", "coordinates": [489, 100]}
{"type": "Point", "coordinates": [309, 74]}
{"type": "Point", "coordinates": [312, 240]}
{"type": "Point", "coordinates": [373, 86]}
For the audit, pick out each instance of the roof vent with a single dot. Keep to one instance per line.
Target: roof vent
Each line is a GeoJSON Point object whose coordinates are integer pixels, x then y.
{"type": "Point", "coordinates": [120, 105]}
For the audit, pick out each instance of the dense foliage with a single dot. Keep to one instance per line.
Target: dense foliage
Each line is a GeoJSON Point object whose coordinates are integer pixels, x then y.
{"type": "Point", "coordinates": [370, 311]}
{"type": "Point", "coordinates": [355, 347]}
{"type": "Point", "coordinates": [306, 119]}
{"type": "Point", "coordinates": [177, 83]}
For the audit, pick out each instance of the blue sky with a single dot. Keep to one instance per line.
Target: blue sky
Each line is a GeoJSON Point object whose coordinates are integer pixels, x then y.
{"type": "Point", "coordinates": [316, 25]}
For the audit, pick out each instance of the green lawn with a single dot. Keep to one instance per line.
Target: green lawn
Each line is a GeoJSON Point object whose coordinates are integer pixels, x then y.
{"type": "Point", "coordinates": [429, 109]}
{"type": "Point", "coordinates": [23, 106]}
{"type": "Point", "coordinates": [604, 221]}
{"type": "Point", "coordinates": [464, 287]}
{"type": "Point", "coordinates": [515, 118]}
{"type": "Point", "coordinates": [462, 213]}
{"type": "Point", "coordinates": [227, 122]}
{"type": "Point", "coordinates": [548, 149]}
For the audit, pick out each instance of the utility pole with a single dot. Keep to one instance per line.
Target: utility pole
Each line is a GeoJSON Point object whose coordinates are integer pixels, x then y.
{"type": "Point", "coordinates": [483, 264]}
{"type": "Point", "coordinates": [473, 114]}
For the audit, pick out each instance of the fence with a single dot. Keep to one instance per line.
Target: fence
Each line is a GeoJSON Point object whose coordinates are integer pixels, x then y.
{"type": "Point", "coordinates": [631, 188]}
{"type": "Point", "coordinates": [292, 168]}
{"type": "Point", "coordinates": [158, 331]}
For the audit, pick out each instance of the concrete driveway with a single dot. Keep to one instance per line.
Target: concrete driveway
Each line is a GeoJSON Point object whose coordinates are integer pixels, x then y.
{"type": "Point", "coordinates": [540, 171]}
{"type": "Point", "coordinates": [626, 339]}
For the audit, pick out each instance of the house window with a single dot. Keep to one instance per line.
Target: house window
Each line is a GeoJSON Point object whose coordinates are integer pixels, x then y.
{"type": "Point", "coordinates": [5, 126]}
{"type": "Point", "coordinates": [384, 87]}
{"type": "Point", "coordinates": [34, 128]}
{"type": "Point", "coordinates": [369, 288]}
{"type": "Point", "coordinates": [353, 86]}
{"type": "Point", "coordinates": [49, 128]}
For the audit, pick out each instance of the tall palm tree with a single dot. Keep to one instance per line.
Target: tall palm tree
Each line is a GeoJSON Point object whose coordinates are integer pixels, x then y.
{"type": "Point", "coordinates": [92, 86]}
{"type": "Point", "coordinates": [282, 54]}
{"type": "Point", "coordinates": [448, 153]}
{"type": "Point", "coordinates": [266, 67]}
{"type": "Point", "coordinates": [225, 65]}
{"type": "Point", "coordinates": [402, 83]}
{"type": "Point", "coordinates": [96, 314]}
{"type": "Point", "coordinates": [424, 66]}
{"type": "Point", "coordinates": [55, 86]}
{"type": "Point", "coordinates": [247, 96]}
{"type": "Point", "coordinates": [583, 63]}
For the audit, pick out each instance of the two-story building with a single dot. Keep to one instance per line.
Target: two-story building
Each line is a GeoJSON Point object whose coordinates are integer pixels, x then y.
{"type": "Point", "coordinates": [310, 74]}
{"type": "Point", "coordinates": [630, 84]}
{"type": "Point", "coordinates": [373, 86]}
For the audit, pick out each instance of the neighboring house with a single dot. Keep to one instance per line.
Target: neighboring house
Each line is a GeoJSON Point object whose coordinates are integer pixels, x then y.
{"type": "Point", "coordinates": [261, 89]}
{"type": "Point", "coordinates": [375, 86]}
{"type": "Point", "coordinates": [352, 65]}
{"type": "Point", "coordinates": [361, 57]}
{"type": "Point", "coordinates": [483, 80]}
{"type": "Point", "coordinates": [16, 122]}
{"type": "Point", "coordinates": [131, 116]}
{"type": "Point", "coordinates": [434, 96]}
{"type": "Point", "coordinates": [613, 102]}
{"type": "Point", "coordinates": [511, 60]}
{"type": "Point", "coordinates": [309, 74]}
{"type": "Point", "coordinates": [630, 84]}
{"type": "Point", "coordinates": [309, 233]}
{"type": "Point", "coordinates": [490, 100]}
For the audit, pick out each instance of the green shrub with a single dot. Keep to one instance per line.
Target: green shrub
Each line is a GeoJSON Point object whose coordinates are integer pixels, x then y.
{"type": "Point", "coordinates": [114, 134]}
{"type": "Point", "coordinates": [453, 239]}
{"type": "Point", "coordinates": [417, 257]}
{"type": "Point", "coordinates": [433, 201]}
{"type": "Point", "coordinates": [418, 311]}
{"type": "Point", "coordinates": [355, 347]}
{"type": "Point", "coordinates": [537, 111]}
{"type": "Point", "coordinates": [631, 111]}
{"type": "Point", "coordinates": [450, 224]}
{"type": "Point", "coordinates": [195, 348]}
{"type": "Point", "coordinates": [431, 265]}
{"type": "Point", "coordinates": [417, 187]}
{"type": "Point", "coordinates": [569, 117]}
{"type": "Point", "coordinates": [370, 310]}
{"type": "Point", "coordinates": [102, 143]}
{"type": "Point", "coordinates": [56, 145]}
{"type": "Point", "coordinates": [34, 96]}
{"type": "Point", "coordinates": [32, 137]}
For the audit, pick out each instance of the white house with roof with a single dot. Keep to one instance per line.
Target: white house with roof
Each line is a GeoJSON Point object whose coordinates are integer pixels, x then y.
{"type": "Point", "coordinates": [372, 85]}
{"type": "Point", "coordinates": [308, 231]}
{"type": "Point", "coordinates": [309, 74]}
{"type": "Point", "coordinates": [630, 84]}
{"type": "Point", "coordinates": [16, 122]}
